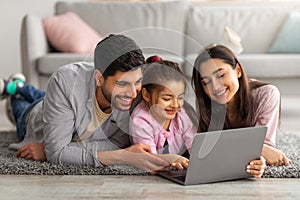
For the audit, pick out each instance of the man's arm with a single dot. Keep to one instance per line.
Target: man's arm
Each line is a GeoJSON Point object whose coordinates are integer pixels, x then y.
{"type": "Point", "coordinates": [138, 155]}
{"type": "Point", "coordinates": [66, 108]}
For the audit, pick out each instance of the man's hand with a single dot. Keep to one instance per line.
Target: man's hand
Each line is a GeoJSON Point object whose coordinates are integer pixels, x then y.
{"type": "Point", "coordinates": [274, 156]}
{"type": "Point", "coordinates": [139, 148]}
{"type": "Point", "coordinates": [257, 167]}
{"type": "Point", "coordinates": [32, 151]}
{"type": "Point", "coordinates": [138, 155]}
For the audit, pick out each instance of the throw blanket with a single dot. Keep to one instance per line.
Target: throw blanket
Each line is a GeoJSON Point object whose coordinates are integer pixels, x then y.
{"type": "Point", "coordinates": [9, 164]}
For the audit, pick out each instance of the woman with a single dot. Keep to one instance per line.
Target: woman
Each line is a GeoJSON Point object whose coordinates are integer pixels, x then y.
{"type": "Point", "coordinates": [228, 99]}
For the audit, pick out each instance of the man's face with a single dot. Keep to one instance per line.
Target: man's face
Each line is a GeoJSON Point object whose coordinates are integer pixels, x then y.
{"type": "Point", "coordinates": [122, 88]}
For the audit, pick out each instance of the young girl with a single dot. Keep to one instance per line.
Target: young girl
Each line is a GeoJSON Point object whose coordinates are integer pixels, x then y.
{"type": "Point", "coordinates": [160, 120]}
{"type": "Point", "coordinates": [228, 99]}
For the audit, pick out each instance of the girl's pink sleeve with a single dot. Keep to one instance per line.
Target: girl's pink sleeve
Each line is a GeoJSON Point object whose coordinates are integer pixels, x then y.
{"type": "Point", "coordinates": [268, 111]}
{"type": "Point", "coordinates": [142, 131]}
{"type": "Point", "coordinates": [189, 130]}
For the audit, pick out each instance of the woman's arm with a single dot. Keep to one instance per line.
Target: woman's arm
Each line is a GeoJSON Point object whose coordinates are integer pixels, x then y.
{"type": "Point", "coordinates": [268, 111]}
{"type": "Point", "coordinates": [268, 115]}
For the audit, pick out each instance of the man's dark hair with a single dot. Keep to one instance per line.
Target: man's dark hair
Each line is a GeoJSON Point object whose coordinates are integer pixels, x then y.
{"type": "Point", "coordinates": [117, 53]}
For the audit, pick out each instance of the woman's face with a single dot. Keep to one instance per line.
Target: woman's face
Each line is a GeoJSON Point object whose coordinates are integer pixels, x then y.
{"type": "Point", "coordinates": [220, 80]}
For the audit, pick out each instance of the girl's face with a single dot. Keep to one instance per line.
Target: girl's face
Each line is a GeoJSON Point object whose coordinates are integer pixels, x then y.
{"type": "Point", "coordinates": [164, 104]}
{"type": "Point", "coordinates": [219, 80]}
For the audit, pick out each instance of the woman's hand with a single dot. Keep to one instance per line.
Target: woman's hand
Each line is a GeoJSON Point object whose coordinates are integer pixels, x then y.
{"type": "Point", "coordinates": [257, 167]}
{"type": "Point", "coordinates": [274, 156]}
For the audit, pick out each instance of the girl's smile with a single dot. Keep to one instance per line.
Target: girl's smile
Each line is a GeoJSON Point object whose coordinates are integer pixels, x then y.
{"type": "Point", "coordinates": [164, 103]}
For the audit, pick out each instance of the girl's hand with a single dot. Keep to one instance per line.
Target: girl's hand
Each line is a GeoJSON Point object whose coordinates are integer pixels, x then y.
{"type": "Point", "coordinates": [257, 167]}
{"type": "Point", "coordinates": [175, 161]}
{"type": "Point", "coordinates": [274, 156]}
{"type": "Point", "coordinates": [180, 163]}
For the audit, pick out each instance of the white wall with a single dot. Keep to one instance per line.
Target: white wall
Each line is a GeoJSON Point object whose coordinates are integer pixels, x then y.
{"type": "Point", "coordinates": [12, 12]}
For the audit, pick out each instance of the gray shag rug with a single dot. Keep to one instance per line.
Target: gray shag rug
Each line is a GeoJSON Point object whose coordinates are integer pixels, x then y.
{"type": "Point", "coordinates": [9, 164]}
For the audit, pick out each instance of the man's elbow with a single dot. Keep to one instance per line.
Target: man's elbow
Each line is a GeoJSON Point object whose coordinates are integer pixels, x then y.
{"type": "Point", "coordinates": [52, 157]}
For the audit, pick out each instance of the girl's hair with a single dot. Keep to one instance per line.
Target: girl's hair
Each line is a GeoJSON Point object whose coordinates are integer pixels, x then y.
{"type": "Point", "coordinates": [213, 115]}
{"type": "Point", "coordinates": [158, 71]}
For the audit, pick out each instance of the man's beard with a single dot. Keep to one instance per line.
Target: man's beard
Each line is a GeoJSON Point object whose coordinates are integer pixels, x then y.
{"type": "Point", "coordinates": [110, 99]}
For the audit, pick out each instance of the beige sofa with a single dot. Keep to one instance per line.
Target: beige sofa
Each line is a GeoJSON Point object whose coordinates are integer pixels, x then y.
{"type": "Point", "coordinates": [175, 30]}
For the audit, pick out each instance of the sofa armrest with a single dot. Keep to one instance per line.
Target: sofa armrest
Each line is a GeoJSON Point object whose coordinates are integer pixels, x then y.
{"type": "Point", "coordinates": [34, 44]}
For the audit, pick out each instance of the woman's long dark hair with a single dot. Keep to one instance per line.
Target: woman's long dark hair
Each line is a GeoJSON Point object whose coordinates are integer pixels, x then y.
{"type": "Point", "coordinates": [213, 115]}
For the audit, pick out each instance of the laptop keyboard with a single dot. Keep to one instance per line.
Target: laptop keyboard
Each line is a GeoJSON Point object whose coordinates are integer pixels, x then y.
{"type": "Point", "coordinates": [176, 173]}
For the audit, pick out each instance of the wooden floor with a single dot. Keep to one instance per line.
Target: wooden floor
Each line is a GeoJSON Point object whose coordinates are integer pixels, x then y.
{"type": "Point", "coordinates": [142, 187]}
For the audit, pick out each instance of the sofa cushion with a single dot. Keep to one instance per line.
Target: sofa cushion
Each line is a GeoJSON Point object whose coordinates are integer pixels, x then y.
{"type": "Point", "coordinates": [287, 40]}
{"type": "Point", "coordinates": [68, 33]}
{"type": "Point", "coordinates": [256, 24]}
{"type": "Point", "coordinates": [48, 64]}
{"type": "Point", "coordinates": [158, 25]}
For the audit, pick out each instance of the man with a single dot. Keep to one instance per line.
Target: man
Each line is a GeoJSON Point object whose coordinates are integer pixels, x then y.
{"type": "Point", "coordinates": [83, 118]}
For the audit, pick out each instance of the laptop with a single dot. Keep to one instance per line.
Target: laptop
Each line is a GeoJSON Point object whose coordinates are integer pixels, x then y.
{"type": "Point", "coordinates": [220, 156]}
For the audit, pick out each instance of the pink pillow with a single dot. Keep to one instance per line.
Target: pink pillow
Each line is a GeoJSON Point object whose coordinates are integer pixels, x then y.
{"type": "Point", "coordinates": [69, 33]}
